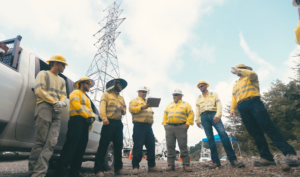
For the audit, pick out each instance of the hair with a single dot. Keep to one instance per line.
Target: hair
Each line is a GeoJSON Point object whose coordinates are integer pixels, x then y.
{"type": "Point", "coordinates": [51, 64]}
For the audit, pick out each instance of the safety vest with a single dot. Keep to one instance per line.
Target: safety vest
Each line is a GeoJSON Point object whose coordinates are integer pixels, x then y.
{"type": "Point", "coordinates": [138, 115]}
{"type": "Point", "coordinates": [109, 106]}
{"type": "Point", "coordinates": [179, 113]}
{"type": "Point", "coordinates": [80, 105]}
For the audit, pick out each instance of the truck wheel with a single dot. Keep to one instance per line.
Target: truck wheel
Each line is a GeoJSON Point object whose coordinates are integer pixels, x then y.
{"type": "Point", "coordinates": [109, 158]}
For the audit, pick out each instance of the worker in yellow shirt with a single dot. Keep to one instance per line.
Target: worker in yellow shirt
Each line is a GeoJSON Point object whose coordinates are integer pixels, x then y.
{"type": "Point", "coordinates": [246, 98]}
{"type": "Point", "coordinates": [296, 3]}
{"type": "Point", "coordinates": [209, 113]}
{"type": "Point", "coordinates": [112, 108]}
{"type": "Point", "coordinates": [142, 117]}
{"type": "Point", "coordinates": [178, 116]}
{"type": "Point", "coordinates": [50, 90]}
{"type": "Point", "coordinates": [81, 117]}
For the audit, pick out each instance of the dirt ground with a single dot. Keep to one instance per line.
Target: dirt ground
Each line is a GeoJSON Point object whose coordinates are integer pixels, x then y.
{"type": "Point", "coordinates": [19, 169]}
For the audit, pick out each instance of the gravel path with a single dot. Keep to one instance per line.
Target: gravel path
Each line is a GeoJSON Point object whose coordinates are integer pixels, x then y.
{"type": "Point", "coordinates": [19, 169]}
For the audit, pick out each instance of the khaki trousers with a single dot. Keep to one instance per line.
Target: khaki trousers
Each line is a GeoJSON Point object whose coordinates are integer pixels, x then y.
{"type": "Point", "coordinates": [178, 132]}
{"type": "Point", "coordinates": [47, 126]}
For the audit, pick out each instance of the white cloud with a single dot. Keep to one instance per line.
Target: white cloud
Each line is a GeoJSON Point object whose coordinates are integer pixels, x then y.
{"type": "Point", "coordinates": [290, 63]}
{"type": "Point", "coordinates": [204, 53]}
{"type": "Point", "coordinates": [2, 37]}
{"type": "Point", "coordinates": [265, 69]}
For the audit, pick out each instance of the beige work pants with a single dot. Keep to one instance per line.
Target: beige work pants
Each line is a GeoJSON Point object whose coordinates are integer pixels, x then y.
{"type": "Point", "coordinates": [47, 126]}
{"type": "Point", "coordinates": [178, 132]}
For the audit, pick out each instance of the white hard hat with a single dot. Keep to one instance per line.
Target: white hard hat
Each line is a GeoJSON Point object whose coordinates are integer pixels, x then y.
{"type": "Point", "coordinates": [143, 88]}
{"type": "Point", "coordinates": [177, 91]}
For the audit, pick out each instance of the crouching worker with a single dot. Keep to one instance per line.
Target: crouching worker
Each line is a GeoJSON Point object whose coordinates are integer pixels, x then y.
{"type": "Point", "coordinates": [81, 117]}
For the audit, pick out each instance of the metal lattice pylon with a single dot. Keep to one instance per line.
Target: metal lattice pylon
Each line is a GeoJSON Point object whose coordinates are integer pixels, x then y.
{"type": "Point", "coordinates": [105, 65]}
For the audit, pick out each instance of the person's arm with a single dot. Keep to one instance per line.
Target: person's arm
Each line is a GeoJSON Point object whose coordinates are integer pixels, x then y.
{"type": "Point", "coordinates": [219, 106]}
{"type": "Point", "coordinates": [63, 92]}
{"type": "Point", "coordinates": [133, 107]}
{"type": "Point", "coordinates": [75, 102]}
{"type": "Point", "coordinates": [165, 118]}
{"type": "Point", "coordinates": [197, 120]}
{"type": "Point", "coordinates": [248, 73]}
{"type": "Point", "coordinates": [233, 104]}
{"type": "Point", "coordinates": [190, 113]}
{"type": "Point", "coordinates": [40, 88]}
{"type": "Point", "coordinates": [124, 106]}
{"type": "Point", "coordinates": [103, 103]}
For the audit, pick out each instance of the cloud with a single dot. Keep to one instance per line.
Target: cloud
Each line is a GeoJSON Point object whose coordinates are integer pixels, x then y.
{"type": "Point", "coordinates": [204, 53]}
{"type": "Point", "coordinates": [290, 63]}
{"type": "Point", "coordinates": [265, 68]}
{"type": "Point", "coordinates": [2, 37]}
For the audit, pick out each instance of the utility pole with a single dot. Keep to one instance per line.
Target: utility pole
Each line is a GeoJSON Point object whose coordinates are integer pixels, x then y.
{"type": "Point", "coordinates": [104, 66]}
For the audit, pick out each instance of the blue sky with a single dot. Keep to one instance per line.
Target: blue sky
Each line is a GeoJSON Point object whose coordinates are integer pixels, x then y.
{"type": "Point", "coordinates": [165, 44]}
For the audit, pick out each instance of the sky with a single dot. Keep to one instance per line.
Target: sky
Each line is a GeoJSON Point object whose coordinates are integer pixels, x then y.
{"type": "Point", "coordinates": [164, 45]}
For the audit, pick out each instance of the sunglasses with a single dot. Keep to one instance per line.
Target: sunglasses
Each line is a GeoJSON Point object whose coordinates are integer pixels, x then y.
{"type": "Point", "coordinates": [63, 64]}
{"type": "Point", "coordinates": [119, 83]}
{"type": "Point", "coordinates": [88, 83]}
{"type": "Point", "coordinates": [143, 91]}
{"type": "Point", "coordinates": [201, 86]}
{"type": "Point", "coordinates": [176, 94]}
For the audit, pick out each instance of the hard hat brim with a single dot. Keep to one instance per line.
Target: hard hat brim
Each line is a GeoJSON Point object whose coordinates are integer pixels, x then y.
{"type": "Point", "coordinates": [111, 84]}
{"type": "Point", "coordinates": [48, 61]}
{"type": "Point", "coordinates": [76, 84]}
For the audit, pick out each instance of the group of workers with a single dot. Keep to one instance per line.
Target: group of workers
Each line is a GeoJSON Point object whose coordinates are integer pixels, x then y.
{"type": "Point", "coordinates": [50, 90]}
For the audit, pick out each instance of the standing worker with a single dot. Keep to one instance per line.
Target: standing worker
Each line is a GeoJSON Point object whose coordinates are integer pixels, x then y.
{"type": "Point", "coordinates": [142, 117]}
{"type": "Point", "coordinates": [81, 117]}
{"type": "Point", "coordinates": [209, 107]}
{"type": "Point", "coordinates": [246, 98]}
{"type": "Point", "coordinates": [178, 117]}
{"type": "Point", "coordinates": [112, 107]}
{"type": "Point", "coordinates": [50, 90]}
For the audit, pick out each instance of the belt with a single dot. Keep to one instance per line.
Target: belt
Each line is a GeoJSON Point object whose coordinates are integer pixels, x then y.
{"type": "Point", "coordinates": [175, 124]}
{"type": "Point", "coordinates": [208, 112]}
{"type": "Point", "coordinates": [246, 99]}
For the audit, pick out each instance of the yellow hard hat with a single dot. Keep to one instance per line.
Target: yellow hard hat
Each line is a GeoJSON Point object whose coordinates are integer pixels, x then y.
{"type": "Point", "coordinates": [202, 82]}
{"type": "Point", "coordinates": [58, 58]}
{"type": "Point", "coordinates": [84, 78]}
{"type": "Point", "coordinates": [243, 66]}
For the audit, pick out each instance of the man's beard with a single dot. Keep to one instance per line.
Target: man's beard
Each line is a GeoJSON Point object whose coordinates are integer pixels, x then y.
{"type": "Point", "coordinates": [117, 89]}
{"type": "Point", "coordinates": [86, 89]}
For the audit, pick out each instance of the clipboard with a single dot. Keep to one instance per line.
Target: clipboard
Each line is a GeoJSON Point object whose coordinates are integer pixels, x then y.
{"type": "Point", "coordinates": [154, 102]}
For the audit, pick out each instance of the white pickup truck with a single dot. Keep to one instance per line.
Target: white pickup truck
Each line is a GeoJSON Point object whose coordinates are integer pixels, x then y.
{"type": "Point", "coordinates": [18, 70]}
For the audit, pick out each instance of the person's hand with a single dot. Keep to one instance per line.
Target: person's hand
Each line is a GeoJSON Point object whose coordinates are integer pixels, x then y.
{"type": "Point", "coordinates": [90, 120]}
{"type": "Point", "coordinates": [146, 106]}
{"type": "Point", "coordinates": [233, 70]}
{"type": "Point", "coordinates": [198, 124]}
{"type": "Point", "coordinates": [105, 122]}
{"type": "Point", "coordinates": [216, 119]}
{"type": "Point", "coordinates": [121, 108]}
{"type": "Point", "coordinates": [232, 114]}
{"type": "Point", "coordinates": [186, 126]}
{"type": "Point", "coordinates": [59, 104]}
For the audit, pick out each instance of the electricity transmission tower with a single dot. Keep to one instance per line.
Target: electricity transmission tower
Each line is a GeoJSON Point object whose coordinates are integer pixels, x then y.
{"type": "Point", "coordinates": [104, 66]}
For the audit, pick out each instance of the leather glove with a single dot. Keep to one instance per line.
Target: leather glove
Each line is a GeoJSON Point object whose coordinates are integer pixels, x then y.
{"type": "Point", "coordinates": [90, 120]}
{"type": "Point", "coordinates": [59, 104]}
{"type": "Point", "coordinates": [58, 110]}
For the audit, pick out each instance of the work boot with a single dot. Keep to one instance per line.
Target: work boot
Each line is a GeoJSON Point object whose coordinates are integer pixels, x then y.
{"type": "Point", "coordinates": [100, 174]}
{"type": "Point", "coordinates": [237, 164]}
{"type": "Point", "coordinates": [263, 162]}
{"type": "Point", "coordinates": [135, 171]}
{"type": "Point", "coordinates": [187, 168]}
{"type": "Point", "coordinates": [170, 168]}
{"type": "Point", "coordinates": [214, 166]}
{"type": "Point", "coordinates": [292, 160]}
{"type": "Point", "coordinates": [122, 172]}
{"type": "Point", "coordinates": [155, 169]}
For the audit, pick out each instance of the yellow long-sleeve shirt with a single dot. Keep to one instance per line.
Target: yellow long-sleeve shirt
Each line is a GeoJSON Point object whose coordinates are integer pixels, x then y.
{"type": "Point", "coordinates": [80, 105]}
{"type": "Point", "coordinates": [49, 88]}
{"type": "Point", "coordinates": [210, 102]}
{"type": "Point", "coordinates": [248, 86]}
{"type": "Point", "coordinates": [297, 33]}
{"type": "Point", "coordinates": [181, 112]}
{"type": "Point", "coordinates": [109, 106]}
{"type": "Point", "coordinates": [139, 115]}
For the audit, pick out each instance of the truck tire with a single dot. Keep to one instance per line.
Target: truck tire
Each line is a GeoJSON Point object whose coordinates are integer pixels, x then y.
{"type": "Point", "coordinates": [109, 157]}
